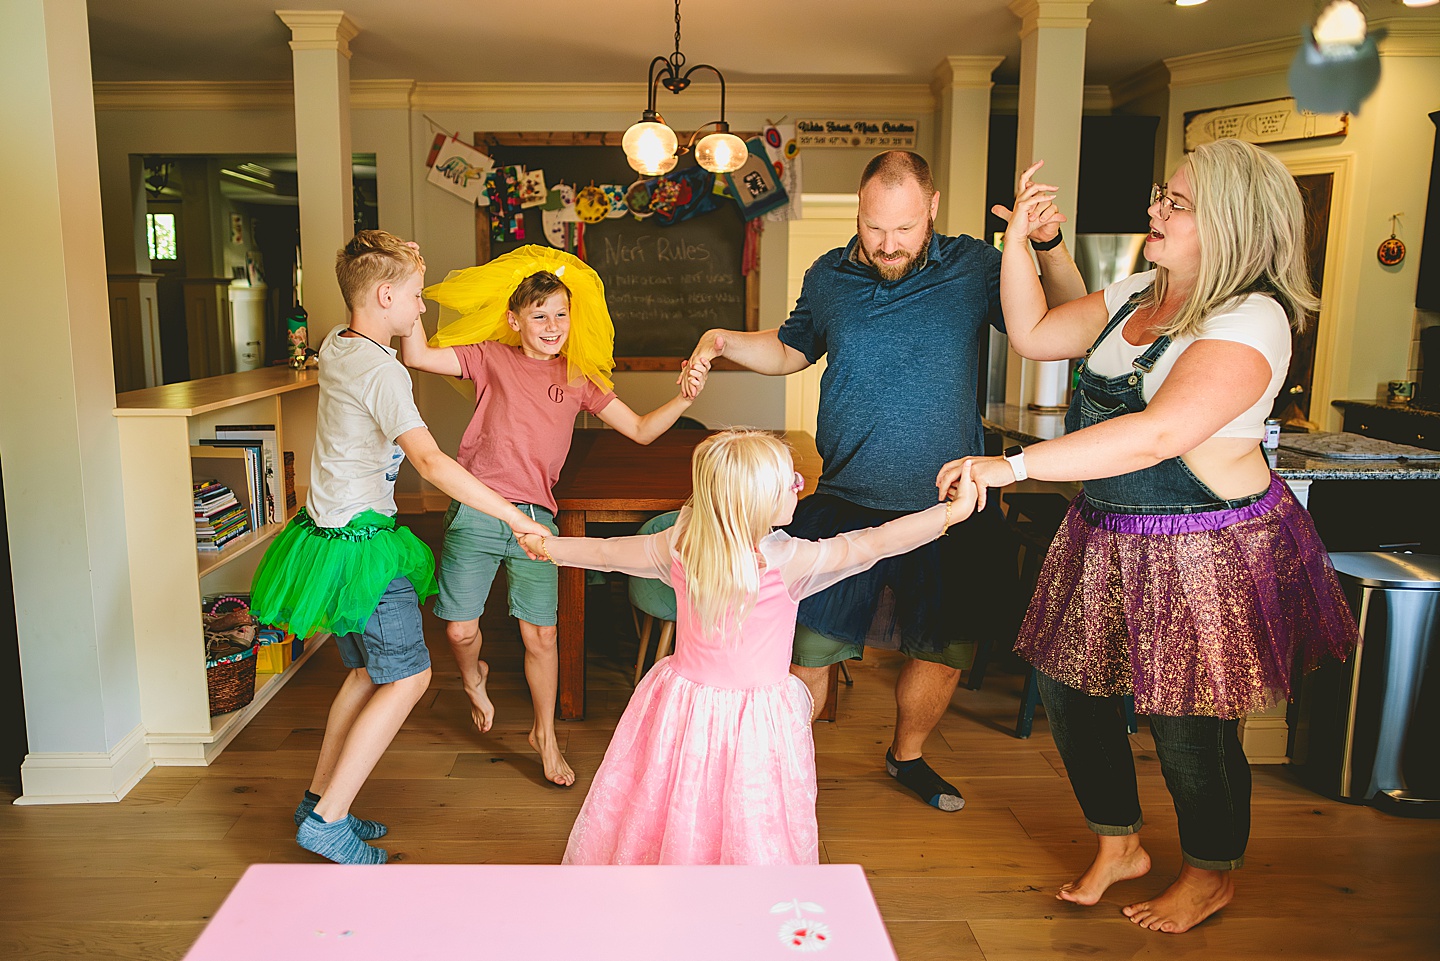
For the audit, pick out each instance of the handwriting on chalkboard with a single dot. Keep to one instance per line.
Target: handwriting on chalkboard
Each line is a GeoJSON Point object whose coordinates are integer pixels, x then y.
{"type": "Point", "coordinates": [648, 249]}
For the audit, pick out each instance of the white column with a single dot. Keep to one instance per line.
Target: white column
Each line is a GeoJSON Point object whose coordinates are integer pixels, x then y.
{"type": "Point", "coordinates": [63, 502]}
{"type": "Point", "coordinates": [962, 141]}
{"type": "Point", "coordinates": [320, 40]}
{"type": "Point", "coordinates": [1052, 92]}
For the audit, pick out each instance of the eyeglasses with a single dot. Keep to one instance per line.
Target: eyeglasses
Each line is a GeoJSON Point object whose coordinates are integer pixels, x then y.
{"type": "Point", "coordinates": [797, 484]}
{"type": "Point", "coordinates": [1167, 202]}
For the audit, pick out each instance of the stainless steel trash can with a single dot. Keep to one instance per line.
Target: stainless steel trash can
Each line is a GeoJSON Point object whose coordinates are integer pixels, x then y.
{"type": "Point", "coordinates": [1367, 728]}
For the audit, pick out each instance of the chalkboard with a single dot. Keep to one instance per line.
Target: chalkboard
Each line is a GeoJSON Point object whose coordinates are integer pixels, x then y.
{"type": "Point", "coordinates": [665, 286]}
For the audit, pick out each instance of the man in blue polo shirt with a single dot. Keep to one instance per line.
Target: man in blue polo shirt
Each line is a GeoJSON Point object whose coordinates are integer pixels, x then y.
{"type": "Point", "coordinates": [900, 311]}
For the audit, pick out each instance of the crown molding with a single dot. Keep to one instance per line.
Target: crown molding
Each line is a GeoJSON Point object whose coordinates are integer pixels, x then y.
{"type": "Point", "coordinates": [381, 94]}
{"type": "Point", "coordinates": [319, 30]}
{"type": "Point", "coordinates": [964, 73]}
{"type": "Point", "coordinates": [627, 98]}
{"type": "Point", "coordinates": [1097, 98]}
{"type": "Point", "coordinates": [1409, 37]}
{"type": "Point", "coordinates": [194, 95]}
{"type": "Point", "coordinates": [1045, 14]}
{"type": "Point", "coordinates": [1232, 63]}
{"type": "Point", "coordinates": [910, 99]}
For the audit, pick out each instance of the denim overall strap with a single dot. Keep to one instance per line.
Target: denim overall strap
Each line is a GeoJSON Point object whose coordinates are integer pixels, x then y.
{"type": "Point", "coordinates": [1168, 487]}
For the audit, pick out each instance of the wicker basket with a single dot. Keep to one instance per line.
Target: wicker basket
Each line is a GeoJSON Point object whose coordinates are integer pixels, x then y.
{"type": "Point", "coordinates": [231, 681]}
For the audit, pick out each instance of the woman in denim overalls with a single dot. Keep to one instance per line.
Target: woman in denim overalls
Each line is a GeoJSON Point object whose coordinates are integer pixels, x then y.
{"type": "Point", "coordinates": [1186, 574]}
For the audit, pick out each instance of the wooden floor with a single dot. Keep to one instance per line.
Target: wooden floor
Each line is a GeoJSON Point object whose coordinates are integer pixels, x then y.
{"type": "Point", "coordinates": [139, 879]}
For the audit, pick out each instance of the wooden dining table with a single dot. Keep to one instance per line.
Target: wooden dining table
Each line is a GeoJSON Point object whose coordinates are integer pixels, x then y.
{"type": "Point", "coordinates": [610, 479]}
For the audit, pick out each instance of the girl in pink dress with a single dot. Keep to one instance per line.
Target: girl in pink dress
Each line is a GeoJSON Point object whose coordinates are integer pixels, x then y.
{"type": "Point", "coordinates": [713, 761]}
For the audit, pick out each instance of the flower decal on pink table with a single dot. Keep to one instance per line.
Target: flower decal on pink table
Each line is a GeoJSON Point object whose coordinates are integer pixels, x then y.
{"type": "Point", "coordinates": [801, 933]}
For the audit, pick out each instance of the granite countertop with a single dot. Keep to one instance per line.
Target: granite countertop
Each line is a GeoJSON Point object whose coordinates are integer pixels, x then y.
{"type": "Point", "coordinates": [1394, 408]}
{"type": "Point", "coordinates": [1031, 427]}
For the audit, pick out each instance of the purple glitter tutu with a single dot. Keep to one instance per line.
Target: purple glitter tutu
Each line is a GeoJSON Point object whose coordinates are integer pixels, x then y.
{"type": "Point", "coordinates": [1194, 614]}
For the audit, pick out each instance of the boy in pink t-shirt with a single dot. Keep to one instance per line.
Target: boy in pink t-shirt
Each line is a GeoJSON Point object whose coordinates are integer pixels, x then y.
{"type": "Point", "coordinates": [526, 401]}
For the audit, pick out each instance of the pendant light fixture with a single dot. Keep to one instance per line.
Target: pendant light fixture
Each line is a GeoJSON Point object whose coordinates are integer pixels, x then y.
{"type": "Point", "coordinates": [652, 148]}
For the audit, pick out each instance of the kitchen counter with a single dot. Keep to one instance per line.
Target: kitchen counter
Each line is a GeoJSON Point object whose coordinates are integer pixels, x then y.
{"type": "Point", "coordinates": [1031, 427]}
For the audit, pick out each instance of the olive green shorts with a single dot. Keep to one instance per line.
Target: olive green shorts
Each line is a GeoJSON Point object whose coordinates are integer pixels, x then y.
{"type": "Point", "coordinates": [475, 546]}
{"type": "Point", "coordinates": [817, 650]}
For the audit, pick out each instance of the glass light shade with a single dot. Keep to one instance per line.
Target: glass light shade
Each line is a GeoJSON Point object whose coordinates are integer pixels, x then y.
{"type": "Point", "coordinates": [721, 153]}
{"type": "Point", "coordinates": [1340, 24]}
{"type": "Point", "coordinates": [664, 168]}
{"type": "Point", "coordinates": [649, 146]}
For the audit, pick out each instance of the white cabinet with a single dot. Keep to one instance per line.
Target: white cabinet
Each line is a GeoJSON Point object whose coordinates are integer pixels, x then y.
{"type": "Point", "coordinates": [169, 576]}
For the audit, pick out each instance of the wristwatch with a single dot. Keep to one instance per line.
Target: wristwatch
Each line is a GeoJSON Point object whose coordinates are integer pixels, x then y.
{"type": "Point", "coordinates": [1015, 457]}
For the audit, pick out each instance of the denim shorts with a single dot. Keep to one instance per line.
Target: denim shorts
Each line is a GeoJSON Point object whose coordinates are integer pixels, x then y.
{"type": "Point", "coordinates": [476, 544]}
{"type": "Point", "coordinates": [816, 650]}
{"type": "Point", "coordinates": [392, 647]}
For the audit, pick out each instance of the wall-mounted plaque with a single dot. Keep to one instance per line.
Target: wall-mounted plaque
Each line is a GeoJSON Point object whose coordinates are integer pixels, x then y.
{"type": "Point", "coordinates": [892, 134]}
{"type": "Point", "coordinates": [1268, 121]}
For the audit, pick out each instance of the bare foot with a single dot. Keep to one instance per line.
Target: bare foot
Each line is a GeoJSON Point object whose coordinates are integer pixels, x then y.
{"type": "Point", "coordinates": [1195, 895]}
{"type": "Point", "coordinates": [482, 710]}
{"type": "Point", "coordinates": [555, 767]}
{"type": "Point", "coordinates": [1119, 858]}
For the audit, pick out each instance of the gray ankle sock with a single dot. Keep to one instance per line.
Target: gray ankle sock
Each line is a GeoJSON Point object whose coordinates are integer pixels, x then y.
{"type": "Point", "coordinates": [364, 830]}
{"type": "Point", "coordinates": [336, 842]}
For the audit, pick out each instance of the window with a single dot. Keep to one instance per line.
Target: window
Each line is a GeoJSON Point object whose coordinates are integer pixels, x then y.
{"type": "Point", "coordinates": [160, 230]}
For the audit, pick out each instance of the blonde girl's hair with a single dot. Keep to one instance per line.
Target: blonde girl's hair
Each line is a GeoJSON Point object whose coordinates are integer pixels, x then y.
{"type": "Point", "coordinates": [372, 258]}
{"type": "Point", "coordinates": [1251, 227]}
{"type": "Point", "coordinates": [739, 478]}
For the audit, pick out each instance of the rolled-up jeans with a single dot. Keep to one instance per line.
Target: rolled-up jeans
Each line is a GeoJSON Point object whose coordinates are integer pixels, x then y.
{"type": "Point", "coordinates": [1204, 767]}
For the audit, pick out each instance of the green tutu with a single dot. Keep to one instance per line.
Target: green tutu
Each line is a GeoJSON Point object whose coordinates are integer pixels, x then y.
{"type": "Point", "coordinates": [331, 578]}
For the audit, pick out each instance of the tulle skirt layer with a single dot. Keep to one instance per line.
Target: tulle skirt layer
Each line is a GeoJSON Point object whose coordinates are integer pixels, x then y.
{"type": "Point", "coordinates": [698, 774]}
{"type": "Point", "coordinates": [330, 579]}
{"type": "Point", "coordinates": [1193, 614]}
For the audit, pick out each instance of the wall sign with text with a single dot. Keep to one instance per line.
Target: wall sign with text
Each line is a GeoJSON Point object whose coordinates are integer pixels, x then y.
{"type": "Point", "coordinates": [856, 133]}
{"type": "Point", "coordinates": [1269, 121]}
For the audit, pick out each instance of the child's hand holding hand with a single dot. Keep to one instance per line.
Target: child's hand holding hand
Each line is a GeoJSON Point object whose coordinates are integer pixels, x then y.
{"type": "Point", "coordinates": [532, 545]}
{"type": "Point", "coordinates": [524, 527]}
{"type": "Point", "coordinates": [693, 378]}
{"type": "Point", "coordinates": [983, 473]}
{"type": "Point", "coordinates": [963, 493]}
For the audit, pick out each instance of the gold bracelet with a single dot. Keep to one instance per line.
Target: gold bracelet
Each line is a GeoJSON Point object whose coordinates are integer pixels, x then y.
{"type": "Point", "coordinates": [546, 551]}
{"type": "Point", "coordinates": [945, 526]}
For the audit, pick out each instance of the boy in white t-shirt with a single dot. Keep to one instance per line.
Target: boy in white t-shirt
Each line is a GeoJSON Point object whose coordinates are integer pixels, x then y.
{"type": "Point", "coordinates": [341, 565]}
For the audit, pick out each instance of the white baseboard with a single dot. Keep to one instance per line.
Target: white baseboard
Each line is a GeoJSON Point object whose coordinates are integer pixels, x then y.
{"type": "Point", "coordinates": [85, 778]}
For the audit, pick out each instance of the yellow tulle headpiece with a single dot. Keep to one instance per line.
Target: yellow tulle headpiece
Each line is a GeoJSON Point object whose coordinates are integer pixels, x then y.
{"type": "Point", "coordinates": [474, 302]}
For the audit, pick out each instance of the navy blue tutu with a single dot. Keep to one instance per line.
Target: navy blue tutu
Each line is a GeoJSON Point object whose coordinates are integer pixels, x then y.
{"type": "Point", "coordinates": [960, 588]}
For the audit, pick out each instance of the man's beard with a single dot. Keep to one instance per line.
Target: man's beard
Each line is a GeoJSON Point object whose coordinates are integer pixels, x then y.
{"type": "Point", "coordinates": [894, 270]}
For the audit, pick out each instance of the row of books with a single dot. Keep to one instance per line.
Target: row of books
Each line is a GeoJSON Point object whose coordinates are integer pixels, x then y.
{"type": "Point", "coordinates": [238, 475]}
{"type": "Point", "coordinates": [219, 515]}
{"type": "Point", "coordinates": [261, 488]}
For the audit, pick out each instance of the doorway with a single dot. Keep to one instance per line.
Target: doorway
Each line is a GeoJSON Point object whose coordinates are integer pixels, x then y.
{"type": "Point", "coordinates": [1293, 404]}
{"type": "Point", "coordinates": [224, 242]}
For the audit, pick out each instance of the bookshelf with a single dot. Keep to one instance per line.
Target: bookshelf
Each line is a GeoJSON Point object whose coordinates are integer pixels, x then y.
{"type": "Point", "coordinates": [158, 426]}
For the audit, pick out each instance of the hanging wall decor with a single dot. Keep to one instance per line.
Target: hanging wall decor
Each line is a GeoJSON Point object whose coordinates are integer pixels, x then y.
{"type": "Point", "coordinates": [783, 149]}
{"type": "Point", "coordinates": [461, 169]}
{"type": "Point", "coordinates": [1392, 249]}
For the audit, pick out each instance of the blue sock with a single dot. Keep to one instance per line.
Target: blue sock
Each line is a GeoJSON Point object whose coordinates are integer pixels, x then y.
{"type": "Point", "coordinates": [922, 779]}
{"type": "Point", "coordinates": [364, 830]}
{"type": "Point", "coordinates": [336, 842]}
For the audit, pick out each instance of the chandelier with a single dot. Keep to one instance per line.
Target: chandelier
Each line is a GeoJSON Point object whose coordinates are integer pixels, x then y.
{"type": "Point", "coordinates": [652, 148]}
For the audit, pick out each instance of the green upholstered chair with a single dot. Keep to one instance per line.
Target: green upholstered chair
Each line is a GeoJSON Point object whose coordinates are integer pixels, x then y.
{"type": "Point", "coordinates": [652, 601]}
